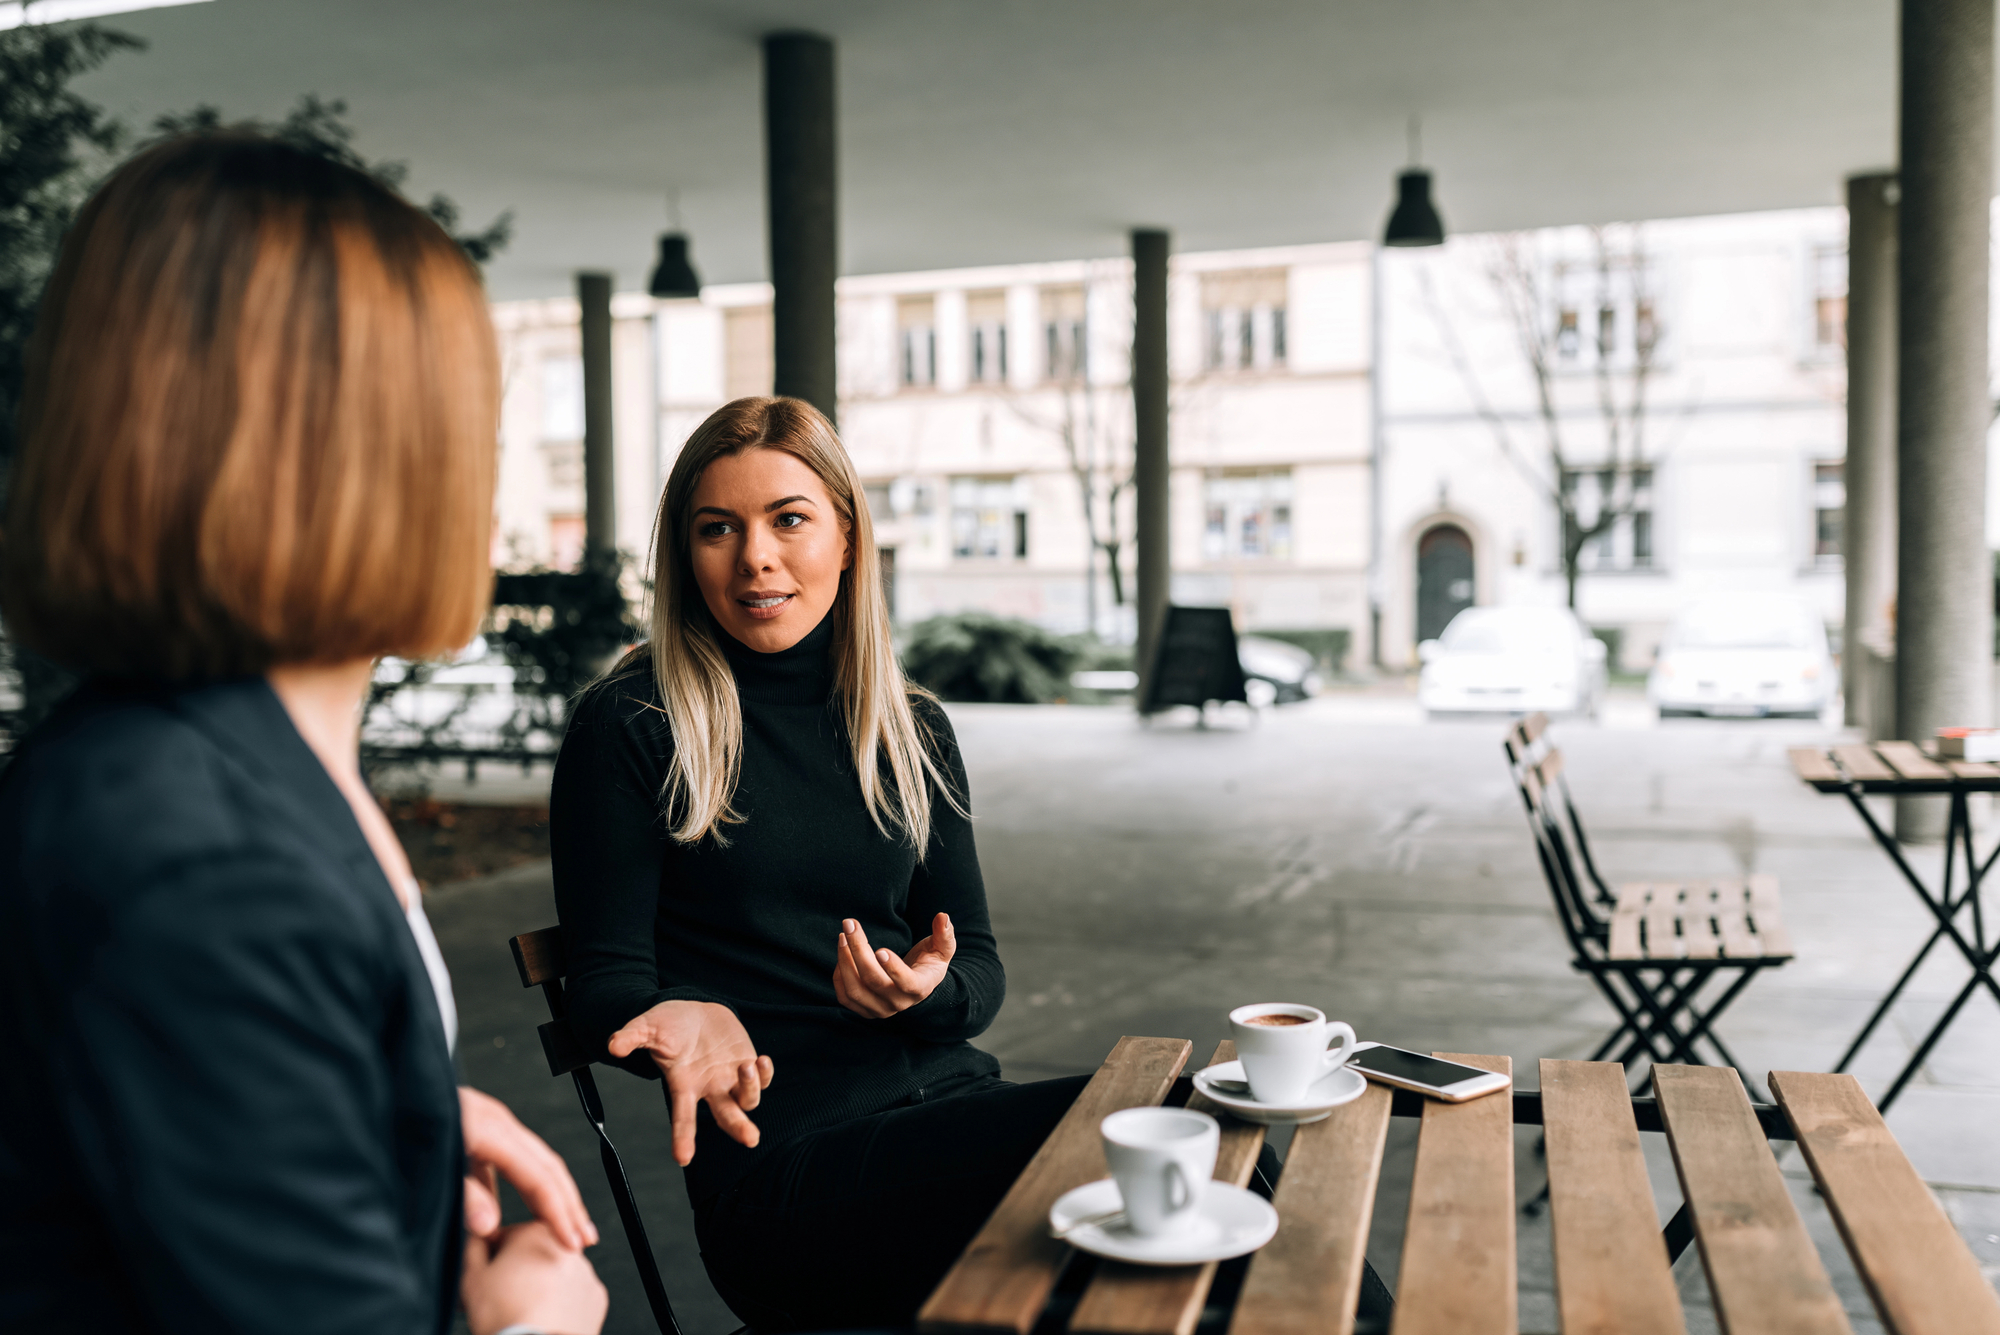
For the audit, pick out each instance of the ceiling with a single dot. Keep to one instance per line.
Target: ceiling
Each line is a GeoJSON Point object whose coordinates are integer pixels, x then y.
{"type": "Point", "coordinates": [995, 131]}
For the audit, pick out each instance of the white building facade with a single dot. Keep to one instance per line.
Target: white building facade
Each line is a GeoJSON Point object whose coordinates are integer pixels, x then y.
{"type": "Point", "coordinates": [1727, 333]}
{"type": "Point", "coordinates": [983, 407]}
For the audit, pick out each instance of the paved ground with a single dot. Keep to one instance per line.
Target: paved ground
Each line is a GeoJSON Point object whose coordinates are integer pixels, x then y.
{"type": "Point", "coordinates": [1343, 853]}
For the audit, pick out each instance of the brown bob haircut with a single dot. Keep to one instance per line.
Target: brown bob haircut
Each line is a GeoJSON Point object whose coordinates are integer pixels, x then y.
{"type": "Point", "coordinates": [259, 425]}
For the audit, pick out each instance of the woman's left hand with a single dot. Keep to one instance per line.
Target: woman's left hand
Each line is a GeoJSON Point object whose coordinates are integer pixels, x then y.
{"type": "Point", "coordinates": [875, 984]}
{"type": "Point", "coordinates": [496, 1146]}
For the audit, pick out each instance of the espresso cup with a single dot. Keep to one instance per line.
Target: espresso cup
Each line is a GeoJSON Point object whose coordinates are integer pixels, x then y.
{"type": "Point", "coordinates": [1283, 1048]}
{"type": "Point", "coordinates": [1162, 1159]}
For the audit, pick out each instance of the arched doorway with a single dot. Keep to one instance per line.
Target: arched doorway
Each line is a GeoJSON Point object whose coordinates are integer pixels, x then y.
{"type": "Point", "coordinates": [1444, 578]}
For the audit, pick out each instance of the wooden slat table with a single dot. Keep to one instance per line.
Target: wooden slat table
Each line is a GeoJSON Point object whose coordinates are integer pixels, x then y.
{"type": "Point", "coordinates": [1904, 769]}
{"type": "Point", "coordinates": [1613, 1273]}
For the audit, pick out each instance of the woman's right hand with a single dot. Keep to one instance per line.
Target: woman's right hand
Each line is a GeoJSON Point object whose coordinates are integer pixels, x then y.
{"type": "Point", "coordinates": [525, 1276]}
{"type": "Point", "coordinates": [705, 1054]}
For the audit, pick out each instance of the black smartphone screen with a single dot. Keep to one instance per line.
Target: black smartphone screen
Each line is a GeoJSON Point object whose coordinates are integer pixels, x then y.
{"type": "Point", "coordinates": [1414, 1067]}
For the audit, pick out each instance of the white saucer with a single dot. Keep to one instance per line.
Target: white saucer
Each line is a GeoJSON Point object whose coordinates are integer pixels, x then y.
{"type": "Point", "coordinates": [1230, 1222]}
{"type": "Point", "coordinates": [1327, 1093]}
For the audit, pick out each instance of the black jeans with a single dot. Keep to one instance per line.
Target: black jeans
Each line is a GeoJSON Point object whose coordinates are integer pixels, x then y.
{"type": "Point", "coordinates": [854, 1225]}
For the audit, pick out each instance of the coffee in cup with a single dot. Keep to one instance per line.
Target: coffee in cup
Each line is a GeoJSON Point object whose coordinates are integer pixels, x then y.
{"type": "Point", "coordinates": [1162, 1160]}
{"type": "Point", "coordinates": [1283, 1048]}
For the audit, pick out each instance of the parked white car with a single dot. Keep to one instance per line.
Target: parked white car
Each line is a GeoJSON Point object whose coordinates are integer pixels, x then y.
{"type": "Point", "coordinates": [1745, 655]}
{"type": "Point", "coordinates": [1512, 660]}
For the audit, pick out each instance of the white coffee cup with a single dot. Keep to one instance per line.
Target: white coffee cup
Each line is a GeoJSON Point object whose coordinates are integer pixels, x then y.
{"type": "Point", "coordinates": [1162, 1160]}
{"type": "Point", "coordinates": [1283, 1060]}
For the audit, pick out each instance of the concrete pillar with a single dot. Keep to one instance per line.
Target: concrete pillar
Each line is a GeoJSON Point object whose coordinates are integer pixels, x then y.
{"type": "Point", "coordinates": [1149, 421]}
{"type": "Point", "coordinates": [600, 462]}
{"type": "Point", "coordinates": [1944, 584]}
{"type": "Point", "coordinates": [801, 190]}
{"type": "Point", "coordinates": [1868, 530]}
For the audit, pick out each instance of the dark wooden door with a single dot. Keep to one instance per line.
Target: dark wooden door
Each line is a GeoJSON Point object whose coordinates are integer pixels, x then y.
{"type": "Point", "coordinates": [1444, 578]}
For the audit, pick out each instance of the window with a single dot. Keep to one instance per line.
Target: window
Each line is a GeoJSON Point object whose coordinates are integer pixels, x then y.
{"type": "Point", "coordinates": [1829, 511]}
{"type": "Point", "coordinates": [1829, 298]}
{"type": "Point", "coordinates": [1628, 544]}
{"type": "Point", "coordinates": [1243, 314]}
{"type": "Point", "coordinates": [562, 424]}
{"type": "Point", "coordinates": [986, 316]}
{"type": "Point", "coordinates": [1566, 336]}
{"type": "Point", "coordinates": [1620, 309]}
{"type": "Point", "coordinates": [989, 517]}
{"type": "Point", "coordinates": [1065, 334]}
{"type": "Point", "coordinates": [566, 539]}
{"type": "Point", "coordinates": [881, 500]}
{"type": "Point", "coordinates": [1249, 514]}
{"type": "Point", "coordinates": [562, 398]}
{"type": "Point", "coordinates": [916, 335]}
{"type": "Point", "coordinates": [749, 363]}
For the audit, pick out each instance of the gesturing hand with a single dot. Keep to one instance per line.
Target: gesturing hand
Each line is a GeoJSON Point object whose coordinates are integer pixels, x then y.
{"type": "Point", "coordinates": [496, 1146]}
{"type": "Point", "coordinates": [876, 984]}
{"type": "Point", "coordinates": [705, 1054]}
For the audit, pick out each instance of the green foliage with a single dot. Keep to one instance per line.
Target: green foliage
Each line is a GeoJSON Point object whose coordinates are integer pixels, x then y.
{"type": "Point", "coordinates": [1328, 647]}
{"type": "Point", "coordinates": [53, 146]}
{"type": "Point", "coordinates": [560, 629]}
{"type": "Point", "coordinates": [1614, 644]}
{"type": "Point", "coordinates": [320, 127]}
{"type": "Point", "coordinates": [978, 656]}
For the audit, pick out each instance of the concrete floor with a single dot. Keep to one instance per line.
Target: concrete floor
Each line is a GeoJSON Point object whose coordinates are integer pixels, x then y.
{"type": "Point", "coordinates": [1346, 854]}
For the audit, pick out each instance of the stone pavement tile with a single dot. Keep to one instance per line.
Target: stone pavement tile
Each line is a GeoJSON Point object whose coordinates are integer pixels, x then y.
{"type": "Point", "coordinates": [1949, 1134]}
{"type": "Point", "coordinates": [1969, 1051]}
{"type": "Point", "coordinates": [1977, 1214]}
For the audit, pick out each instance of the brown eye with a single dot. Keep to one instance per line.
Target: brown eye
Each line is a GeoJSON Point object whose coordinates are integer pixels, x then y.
{"type": "Point", "coordinates": [789, 519]}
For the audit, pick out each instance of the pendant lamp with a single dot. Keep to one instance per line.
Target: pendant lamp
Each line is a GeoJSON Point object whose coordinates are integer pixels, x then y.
{"type": "Point", "coordinates": [1415, 221]}
{"type": "Point", "coordinates": [674, 276]}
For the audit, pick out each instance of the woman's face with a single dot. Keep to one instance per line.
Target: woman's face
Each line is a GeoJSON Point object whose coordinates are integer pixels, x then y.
{"type": "Point", "coordinates": [767, 547]}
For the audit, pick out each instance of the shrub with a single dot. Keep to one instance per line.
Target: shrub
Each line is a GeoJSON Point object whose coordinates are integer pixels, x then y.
{"type": "Point", "coordinates": [999, 660]}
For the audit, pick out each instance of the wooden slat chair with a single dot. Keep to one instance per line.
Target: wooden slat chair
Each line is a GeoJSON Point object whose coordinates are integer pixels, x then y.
{"type": "Point", "coordinates": [542, 962]}
{"type": "Point", "coordinates": [1655, 950]}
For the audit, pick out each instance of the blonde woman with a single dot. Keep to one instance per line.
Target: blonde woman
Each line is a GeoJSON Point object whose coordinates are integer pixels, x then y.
{"type": "Point", "coordinates": [765, 868]}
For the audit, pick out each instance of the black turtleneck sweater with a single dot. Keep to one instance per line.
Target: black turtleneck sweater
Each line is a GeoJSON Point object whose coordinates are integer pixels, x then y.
{"type": "Point", "coordinates": [752, 924]}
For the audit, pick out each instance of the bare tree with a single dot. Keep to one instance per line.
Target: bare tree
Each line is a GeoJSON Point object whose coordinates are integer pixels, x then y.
{"type": "Point", "coordinates": [1547, 331]}
{"type": "Point", "coordinates": [1097, 445]}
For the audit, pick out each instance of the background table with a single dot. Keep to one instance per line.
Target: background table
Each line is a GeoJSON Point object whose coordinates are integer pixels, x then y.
{"type": "Point", "coordinates": [1458, 1267]}
{"type": "Point", "coordinates": [1902, 769]}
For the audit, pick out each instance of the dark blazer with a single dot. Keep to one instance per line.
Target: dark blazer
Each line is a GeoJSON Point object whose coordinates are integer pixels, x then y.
{"type": "Point", "coordinates": [226, 1104]}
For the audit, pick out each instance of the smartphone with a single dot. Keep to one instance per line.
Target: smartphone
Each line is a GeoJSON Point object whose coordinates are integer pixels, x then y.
{"type": "Point", "coordinates": [1434, 1076]}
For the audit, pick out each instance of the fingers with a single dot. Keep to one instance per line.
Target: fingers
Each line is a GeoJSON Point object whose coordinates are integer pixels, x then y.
{"type": "Point", "coordinates": [849, 990]}
{"type": "Point", "coordinates": [765, 1071]}
{"type": "Point", "coordinates": [681, 1100]}
{"type": "Point", "coordinates": [899, 974]}
{"type": "Point", "coordinates": [495, 1139]}
{"type": "Point", "coordinates": [865, 961]}
{"type": "Point", "coordinates": [629, 1039]}
{"type": "Point", "coordinates": [731, 1119]}
{"type": "Point", "coordinates": [482, 1205]}
{"type": "Point", "coordinates": [749, 1091]}
{"type": "Point", "coordinates": [944, 937]}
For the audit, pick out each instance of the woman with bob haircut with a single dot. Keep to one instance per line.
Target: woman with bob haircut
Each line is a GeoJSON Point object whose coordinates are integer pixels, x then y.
{"type": "Point", "coordinates": [765, 867]}
{"type": "Point", "coordinates": [258, 442]}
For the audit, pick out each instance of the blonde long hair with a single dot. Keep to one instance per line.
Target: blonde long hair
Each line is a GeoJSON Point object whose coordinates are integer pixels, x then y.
{"type": "Point", "coordinates": [893, 752]}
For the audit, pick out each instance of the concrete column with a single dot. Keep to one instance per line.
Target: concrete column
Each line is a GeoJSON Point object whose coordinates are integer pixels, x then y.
{"type": "Point", "coordinates": [600, 462]}
{"type": "Point", "coordinates": [1868, 530]}
{"type": "Point", "coordinates": [1944, 584]}
{"type": "Point", "coordinates": [801, 181]}
{"type": "Point", "coordinates": [1149, 420]}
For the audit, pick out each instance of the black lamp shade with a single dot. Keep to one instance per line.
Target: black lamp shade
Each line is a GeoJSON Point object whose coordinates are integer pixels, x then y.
{"type": "Point", "coordinates": [1415, 221]}
{"type": "Point", "coordinates": [673, 276]}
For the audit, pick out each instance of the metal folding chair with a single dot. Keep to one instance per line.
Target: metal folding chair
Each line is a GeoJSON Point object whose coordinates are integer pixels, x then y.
{"type": "Point", "coordinates": [1655, 950]}
{"type": "Point", "coordinates": [540, 958]}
